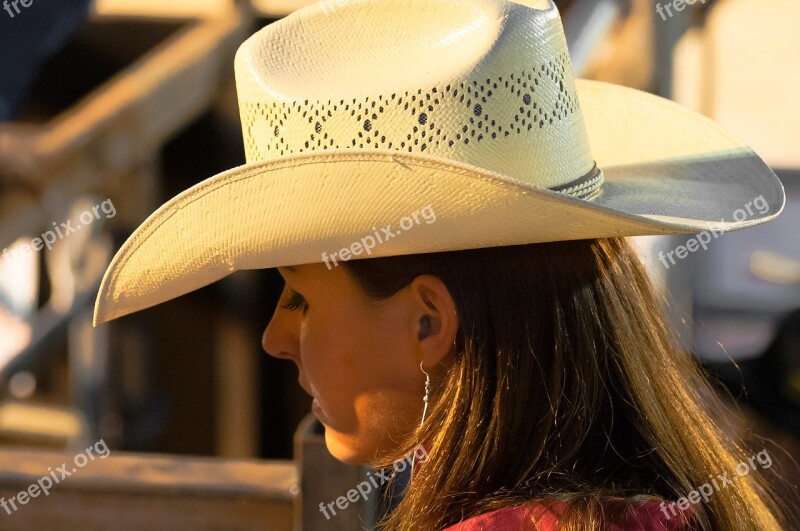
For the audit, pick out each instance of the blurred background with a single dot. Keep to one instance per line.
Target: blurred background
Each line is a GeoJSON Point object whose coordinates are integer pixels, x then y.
{"type": "Point", "coordinates": [110, 107]}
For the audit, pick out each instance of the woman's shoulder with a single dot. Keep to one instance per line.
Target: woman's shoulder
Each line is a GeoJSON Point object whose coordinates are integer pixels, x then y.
{"type": "Point", "coordinates": [645, 516]}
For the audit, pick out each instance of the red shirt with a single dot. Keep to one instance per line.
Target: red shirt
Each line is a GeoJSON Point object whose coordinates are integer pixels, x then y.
{"type": "Point", "coordinates": [649, 516]}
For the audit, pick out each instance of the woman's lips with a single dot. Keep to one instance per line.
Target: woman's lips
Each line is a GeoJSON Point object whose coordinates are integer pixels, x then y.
{"type": "Point", "coordinates": [317, 410]}
{"type": "Point", "coordinates": [305, 387]}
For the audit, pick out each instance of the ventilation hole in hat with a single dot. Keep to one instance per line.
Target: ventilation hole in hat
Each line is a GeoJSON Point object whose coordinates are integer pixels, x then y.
{"type": "Point", "coordinates": [485, 120]}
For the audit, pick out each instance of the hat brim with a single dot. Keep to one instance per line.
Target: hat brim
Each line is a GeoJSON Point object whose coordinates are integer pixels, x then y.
{"type": "Point", "coordinates": [667, 170]}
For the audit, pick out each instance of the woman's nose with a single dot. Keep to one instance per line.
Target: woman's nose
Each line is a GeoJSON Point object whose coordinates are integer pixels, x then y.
{"type": "Point", "coordinates": [279, 339]}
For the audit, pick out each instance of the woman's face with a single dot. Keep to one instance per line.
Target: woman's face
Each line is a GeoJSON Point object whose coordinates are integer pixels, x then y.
{"type": "Point", "coordinates": [360, 359]}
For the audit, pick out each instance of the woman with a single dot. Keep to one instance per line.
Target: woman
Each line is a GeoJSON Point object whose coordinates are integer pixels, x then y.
{"type": "Point", "coordinates": [507, 326]}
{"type": "Point", "coordinates": [554, 379]}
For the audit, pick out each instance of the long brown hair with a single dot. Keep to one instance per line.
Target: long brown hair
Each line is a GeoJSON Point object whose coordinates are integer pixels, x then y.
{"type": "Point", "coordinates": [568, 386]}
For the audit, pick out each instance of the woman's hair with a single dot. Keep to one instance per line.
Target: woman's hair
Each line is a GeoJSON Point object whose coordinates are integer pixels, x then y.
{"type": "Point", "coordinates": [568, 388]}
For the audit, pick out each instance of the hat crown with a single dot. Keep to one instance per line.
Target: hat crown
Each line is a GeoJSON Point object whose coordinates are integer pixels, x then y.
{"type": "Point", "coordinates": [487, 83]}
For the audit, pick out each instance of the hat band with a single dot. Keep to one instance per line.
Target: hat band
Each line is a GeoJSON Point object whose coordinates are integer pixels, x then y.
{"type": "Point", "coordinates": [587, 187]}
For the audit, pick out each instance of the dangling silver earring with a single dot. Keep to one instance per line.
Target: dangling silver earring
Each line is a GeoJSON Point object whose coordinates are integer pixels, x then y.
{"type": "Point", "coordinates": [427, 393]}
{"type": "Point", "coordinates": [424, 412]}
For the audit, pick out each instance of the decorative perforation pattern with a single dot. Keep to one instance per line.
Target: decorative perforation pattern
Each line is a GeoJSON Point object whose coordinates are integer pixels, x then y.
{"type": "Point", "coordinates": [469, 111]}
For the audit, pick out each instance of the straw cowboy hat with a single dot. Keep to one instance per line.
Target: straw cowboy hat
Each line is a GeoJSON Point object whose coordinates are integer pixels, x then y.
{"type": "Point", "coordinates": [358, 113]}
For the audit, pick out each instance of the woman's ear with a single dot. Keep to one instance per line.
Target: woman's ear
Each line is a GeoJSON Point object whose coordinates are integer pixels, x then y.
{"type": "Point", "coordinates": [436, 320]}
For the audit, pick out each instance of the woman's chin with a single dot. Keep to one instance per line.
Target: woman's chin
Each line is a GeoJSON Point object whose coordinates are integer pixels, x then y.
{"type": "Point", "coordinates": [343, 450]}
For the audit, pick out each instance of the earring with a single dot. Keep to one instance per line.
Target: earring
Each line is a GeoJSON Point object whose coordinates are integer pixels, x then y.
{"type": "Point", "coordinates": [424, 412]}
{"type": "Point", "coordinates": [427, 393]}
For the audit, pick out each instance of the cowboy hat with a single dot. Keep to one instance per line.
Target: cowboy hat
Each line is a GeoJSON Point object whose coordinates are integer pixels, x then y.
{"type": "Point", "coordinates": [356, 114]}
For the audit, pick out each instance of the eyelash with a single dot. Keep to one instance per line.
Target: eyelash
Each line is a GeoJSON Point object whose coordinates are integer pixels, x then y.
{"type": "Point", "coordinates": [296, 301]}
